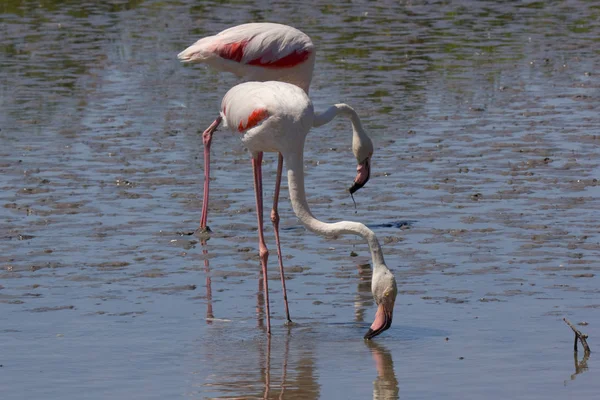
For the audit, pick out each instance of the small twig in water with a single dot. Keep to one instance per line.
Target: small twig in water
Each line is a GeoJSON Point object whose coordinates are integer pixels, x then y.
{"type": "Point", "coordinates": [578, 335]}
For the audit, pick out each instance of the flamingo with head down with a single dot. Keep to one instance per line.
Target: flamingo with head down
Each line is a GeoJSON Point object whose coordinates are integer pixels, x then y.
{"type": "Point", "coordinates": [276, 117]}
{"type": "Point", "coordinates": [272, 52]}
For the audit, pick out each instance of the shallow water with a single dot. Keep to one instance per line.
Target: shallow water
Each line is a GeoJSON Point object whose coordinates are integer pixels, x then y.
{"type": "Point", "coordinates": [484, 192]}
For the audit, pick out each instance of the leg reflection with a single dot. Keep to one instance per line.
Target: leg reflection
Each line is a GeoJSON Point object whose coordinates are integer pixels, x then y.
{"type": "Point", "coordinates": [267, 369]}
{"type": "Point", "coordinates": [386, 384]}
{"type": "Point", "coordinates": [256, 366]}
{"type": "Point", "coordinates": [285, 361]}
{"type": "Point", "coordinates": [209, 306]}
{"type": "Point", "coordinates": [260, 303]}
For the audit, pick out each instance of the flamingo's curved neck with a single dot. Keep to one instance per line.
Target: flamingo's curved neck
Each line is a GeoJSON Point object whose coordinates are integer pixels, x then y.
{"type": "Point", "coordinates": [359, 136]}
{"type": "Point", "coordinates": [295, 170]}
{"type": "Point", "coordinates": [344, 109]}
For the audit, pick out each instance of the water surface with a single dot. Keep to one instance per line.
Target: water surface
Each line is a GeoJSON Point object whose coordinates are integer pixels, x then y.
{"type": "Point", "coordinates": [484, 193]}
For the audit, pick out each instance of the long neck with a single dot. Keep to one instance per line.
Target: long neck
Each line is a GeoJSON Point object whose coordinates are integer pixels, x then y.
{"type": "Point", "coordinates": [295, 166]}
{"type": "Point", "coordinates": [333, 111]}
{"type": "Point", "coordinates": [360, 139]}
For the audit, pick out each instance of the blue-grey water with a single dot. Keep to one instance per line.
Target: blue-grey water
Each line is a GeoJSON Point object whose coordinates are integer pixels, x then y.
{"type": "Point", "coordinates": [484, 192]}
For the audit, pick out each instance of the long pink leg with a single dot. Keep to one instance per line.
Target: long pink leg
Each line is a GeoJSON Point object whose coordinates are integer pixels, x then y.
{"type": "Point", "coordinates": [263, 251]}
{"type": "Point", "coordinates": [207, 139]}
{"type": "Point", "coordinates": [275, 221]}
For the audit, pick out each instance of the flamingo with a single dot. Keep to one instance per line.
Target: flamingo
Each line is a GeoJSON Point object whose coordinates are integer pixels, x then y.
{"type": "Point", "coordinates": [276, 117]}
{"type": "Point", "coordinates": [272, 52]}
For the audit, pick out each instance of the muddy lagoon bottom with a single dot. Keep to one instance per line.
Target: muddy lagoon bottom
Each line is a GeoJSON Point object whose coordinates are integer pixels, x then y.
{"type": "Point", "coordinates": [181, 319]}
{"type": "Point", "coordinates": [483, 193]}
{"type": "Point", "coordinates": [104, 293]}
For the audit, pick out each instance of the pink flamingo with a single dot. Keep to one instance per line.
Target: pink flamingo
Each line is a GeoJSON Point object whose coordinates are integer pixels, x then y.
{"type": "Point", "coordinates": [276, 117]}
{"type": "Point", "coordinates": [272, 52]}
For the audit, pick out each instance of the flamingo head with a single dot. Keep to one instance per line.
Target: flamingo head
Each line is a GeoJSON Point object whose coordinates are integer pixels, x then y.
{"type": "Point", "coordinates": [362, 147]}
{"type": "Point", "coordinates": [384, 291]}
{"type": "Point", "coordinates": [363, 173]}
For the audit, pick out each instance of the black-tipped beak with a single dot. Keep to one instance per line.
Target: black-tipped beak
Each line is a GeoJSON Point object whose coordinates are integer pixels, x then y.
{"type": "Point", "coordinates": [382, 313]}
{"type": "Point", "coordinates": [363, 173]}
{"type": "Point", "coordinates": [355, 186]}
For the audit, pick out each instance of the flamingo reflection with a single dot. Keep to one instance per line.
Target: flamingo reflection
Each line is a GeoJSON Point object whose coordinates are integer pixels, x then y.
{"type": "Point", "coordinates": [277, 378]}
{"type": "Point", "coordinates": [385, 387]}
{"type": "Point", "coordinates": [363, 298]}
{"type": "Point", "coordinates": [265, 368]}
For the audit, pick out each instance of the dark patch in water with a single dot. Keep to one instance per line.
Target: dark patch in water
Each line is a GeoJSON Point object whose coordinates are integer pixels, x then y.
{"type": "Point", "coordinates": [393, 224]}
{"type": "Point", "coordinates": [58, 308]}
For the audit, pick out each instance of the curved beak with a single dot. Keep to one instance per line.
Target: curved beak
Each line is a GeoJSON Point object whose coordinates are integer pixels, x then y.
{"type": "Point", "coordinates": [363, 173]}
{"type": "Point", "coordinates": [383, 320]}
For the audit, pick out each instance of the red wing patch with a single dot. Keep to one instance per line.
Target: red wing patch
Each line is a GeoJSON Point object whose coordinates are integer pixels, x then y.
{"type": "Point", "coordinates": [291, 60]}
{"type": "Point", "coordinates": [232, 51]}
{"type": "Point", "coordinates": [254, 119]}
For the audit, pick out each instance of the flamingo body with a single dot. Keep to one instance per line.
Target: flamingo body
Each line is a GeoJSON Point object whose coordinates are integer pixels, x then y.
{"type": "Point", "coordinates": [266, 52]}
{"type": "Point", "coordinates": [265, 110]}
{"type": "Point", "coordinates": [270, 52]}
{"type": "Point", "coordinates": [258, 52]}
{"type": "Point", "coordinates": [276, 117]}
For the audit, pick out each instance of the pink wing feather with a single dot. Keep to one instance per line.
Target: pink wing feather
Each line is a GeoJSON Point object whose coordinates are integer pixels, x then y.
{"type": "Point", "coordinates": [241, 109]}
{"type": "Point", "coordinates": [258, 51]}
{"type": "Point", "coordinates": [260, 44]}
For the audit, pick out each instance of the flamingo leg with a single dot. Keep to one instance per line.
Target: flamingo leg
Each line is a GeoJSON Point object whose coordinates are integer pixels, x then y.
{"type": "Point", "coordinates": [263, 251]}
{"type": "Point", "coordinates": [207, 139]}
{"type": "Point", "coordinates": [275, 221]}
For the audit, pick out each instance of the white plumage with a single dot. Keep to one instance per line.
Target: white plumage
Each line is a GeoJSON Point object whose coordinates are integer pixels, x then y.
{"type": "Point", "coordinates": [258, 52]}
{"type": "Point", "coordinates": [269, 108]}
{"type": "Point", "coordinates": [276, 117]}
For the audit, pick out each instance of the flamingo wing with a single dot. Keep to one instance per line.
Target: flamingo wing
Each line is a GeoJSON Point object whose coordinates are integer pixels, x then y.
{"type": "Point", "coordinates": [265, 45]}
{"type": "Point", "coordinates": [250, 104]}
{"type": "Point", "coordinates": [243, 108]}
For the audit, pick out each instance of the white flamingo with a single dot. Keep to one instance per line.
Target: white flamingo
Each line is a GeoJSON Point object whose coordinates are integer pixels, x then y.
{"type": "Point", "coordinates": [272, 52]}
{"type": "Point", "coordinates": [276, 117]}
